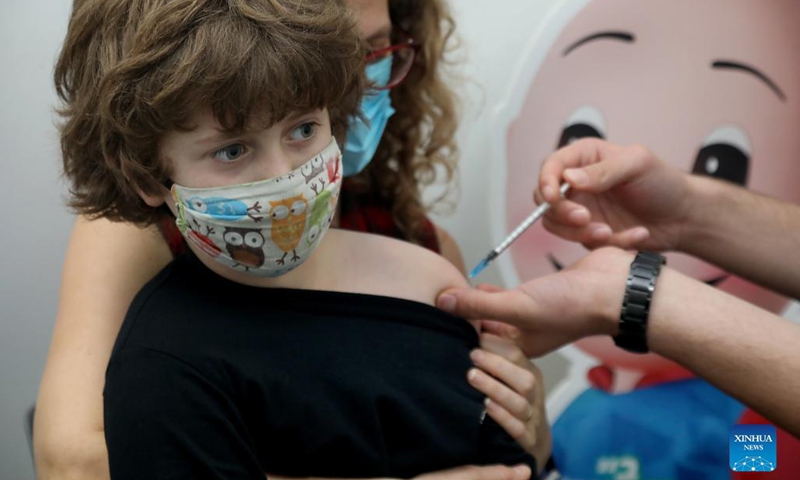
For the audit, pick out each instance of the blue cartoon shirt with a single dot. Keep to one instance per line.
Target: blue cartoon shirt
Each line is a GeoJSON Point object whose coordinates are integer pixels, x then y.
{"type": "Point", "coordinates": [674, 430]}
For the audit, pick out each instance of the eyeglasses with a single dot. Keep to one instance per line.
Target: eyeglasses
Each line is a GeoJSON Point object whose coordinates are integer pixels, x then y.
{"type": "Point", "coordinates": [402, 53]}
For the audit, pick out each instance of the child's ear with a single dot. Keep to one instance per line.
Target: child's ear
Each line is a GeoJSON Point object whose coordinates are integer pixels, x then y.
{"type": "Point", "coordinates": [154, 200]}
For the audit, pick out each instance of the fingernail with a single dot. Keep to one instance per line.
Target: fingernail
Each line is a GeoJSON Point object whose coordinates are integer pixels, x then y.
{"type": "Point", "coordinates": [487, 401]}
{"type": "Point", "coordinates": [547, 193]}
{"type": "Point", "coordinates": [579, 216]}
{"type": "Point", "coordinates": [601, 232]}
{"type": "Point", "coordinates": [522, 471]}
{"type": "Point", "coordinates": [446, 302]}
{"type": "Point", "coordinates": [640, 234]}
{"type": "Point", "coordinates": [576, 177]}
{"type": "Point", "coordinates": [476, 355]}
{"type": "Point", "coordinates": [472, 374]}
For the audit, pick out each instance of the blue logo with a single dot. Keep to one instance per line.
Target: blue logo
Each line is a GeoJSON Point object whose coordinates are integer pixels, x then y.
{"type": "Point", "coordinates": [752, 448]}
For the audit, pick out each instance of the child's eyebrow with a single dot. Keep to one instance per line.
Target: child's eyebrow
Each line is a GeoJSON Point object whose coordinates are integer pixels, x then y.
{"type": "Point", "coordinates": [220, 135]}
{"type": "Point", "coordinates": [214, 138]}
{"type": "Point", "coordinates": [299, 113]}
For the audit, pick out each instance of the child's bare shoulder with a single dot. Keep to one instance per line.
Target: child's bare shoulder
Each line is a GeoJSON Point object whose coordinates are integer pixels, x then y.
{"type": "Point", "coordinates": [385, 266]}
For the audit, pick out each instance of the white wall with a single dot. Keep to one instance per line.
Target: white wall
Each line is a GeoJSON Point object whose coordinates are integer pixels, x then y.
{"type": "Point", "coordinates": [36, 226]}
{"type": "Point", "coordinates": [36, 230]}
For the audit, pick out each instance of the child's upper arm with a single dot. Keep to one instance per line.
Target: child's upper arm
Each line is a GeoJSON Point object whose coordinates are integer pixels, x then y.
{"type": "Point", "coordinates": [450, 250]}
{"type": "Point", "coordinates": [106, 264]}
{"type": "Point", "coordinates": [399, 269]}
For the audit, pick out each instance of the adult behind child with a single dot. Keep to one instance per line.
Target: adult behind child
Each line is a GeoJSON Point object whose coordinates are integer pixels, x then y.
{"type": "Point", "coordinates": [108, 262]}
{"type": "Point", "coordinates": [274, 345]}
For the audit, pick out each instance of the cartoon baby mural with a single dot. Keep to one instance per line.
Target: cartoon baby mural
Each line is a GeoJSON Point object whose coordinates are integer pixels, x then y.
{"type": "Point", "coordinates": [712, 86]}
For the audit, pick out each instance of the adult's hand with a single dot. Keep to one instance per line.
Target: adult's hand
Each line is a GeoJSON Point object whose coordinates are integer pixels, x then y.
{"type": "Point", "coordinates": [626, 197]}
{"type": "Point", "coordinates": [620, 195]}
{"type": "Point", "coordinates": [514, 389]}
{"type": "Point", "coordinates": [551, 311]}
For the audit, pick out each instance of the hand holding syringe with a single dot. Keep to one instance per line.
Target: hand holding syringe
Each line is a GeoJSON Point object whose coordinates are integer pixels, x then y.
{"type": "Point", "coordinates": [532, 218]}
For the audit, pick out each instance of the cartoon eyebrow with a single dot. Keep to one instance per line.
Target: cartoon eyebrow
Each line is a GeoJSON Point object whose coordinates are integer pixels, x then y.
{"type": "Point", "coordinates": [727, 64]}
{"type": "Point", "coordinates": [620, 36]}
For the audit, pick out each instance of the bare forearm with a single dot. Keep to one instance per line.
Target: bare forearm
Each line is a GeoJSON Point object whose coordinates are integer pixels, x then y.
{"type": "Point", "coordinates": [747, 352]}
{"type": "Point", "coordinates": [753, 236]}
{"type": "Point", "coordinates": [106, 264]}
{"type": "Point", "coordinates": [86, 459]}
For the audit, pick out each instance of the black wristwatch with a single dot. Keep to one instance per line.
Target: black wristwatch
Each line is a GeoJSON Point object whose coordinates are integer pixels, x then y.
{"type": "Point", "coordinates": [636, 303]}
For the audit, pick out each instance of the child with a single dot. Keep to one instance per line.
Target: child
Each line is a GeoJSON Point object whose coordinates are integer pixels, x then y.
{"type": "Point", "coordinates": [273, 347]}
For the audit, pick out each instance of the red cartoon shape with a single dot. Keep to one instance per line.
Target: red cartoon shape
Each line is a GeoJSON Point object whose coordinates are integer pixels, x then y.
{"type": "Point", "coordinates": [205, 244]}
{"type": "Point", "coordinates": [333, 169]}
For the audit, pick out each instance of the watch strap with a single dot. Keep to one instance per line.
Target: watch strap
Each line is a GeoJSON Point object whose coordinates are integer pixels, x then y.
{"type": "Point", "coordinates": [639, 289]}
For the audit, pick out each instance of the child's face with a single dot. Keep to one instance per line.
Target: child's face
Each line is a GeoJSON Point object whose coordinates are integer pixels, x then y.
{"type": "Point", "coordinates": [207, 156]}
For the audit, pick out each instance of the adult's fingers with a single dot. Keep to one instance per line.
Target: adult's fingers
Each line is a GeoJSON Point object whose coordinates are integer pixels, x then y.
{"type": "Point", "coordinates": [597, 234]}
{"type": "Point", "coordinates": [516, 428]}
{"type": "Point", "coordinates": [569, 213]}
{"type": "Point", "coordinates": [511, 306]}
{"type": "Point", "coordinates": [630, 238]}
{"type": "Point", "coordinates": [503, 359]}
{"type": "Point", "coordinates": [591, 235]}
{"type": "Point", "coordinates": [614, 169]}
{"type": "Point", "coordinates": [500, 329]}
{"type": "Point", "coordinates": [532, 342]}
{"type": "Point", "coordinates": [513, 402]}
{"type": "Point", "coordinates": [577, 154]}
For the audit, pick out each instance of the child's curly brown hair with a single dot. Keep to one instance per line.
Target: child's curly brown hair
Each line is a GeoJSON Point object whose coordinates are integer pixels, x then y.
{"type": "Point", "coordinates": [132, 70]}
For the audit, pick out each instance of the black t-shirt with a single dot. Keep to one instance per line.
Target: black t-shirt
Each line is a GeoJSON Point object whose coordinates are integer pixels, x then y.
{"type": "Point", "coordinates": [210, 379]}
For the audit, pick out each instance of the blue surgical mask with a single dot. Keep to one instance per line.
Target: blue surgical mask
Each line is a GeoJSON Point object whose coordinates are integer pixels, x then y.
{"type": "Point", "coordinates": [376, 107]}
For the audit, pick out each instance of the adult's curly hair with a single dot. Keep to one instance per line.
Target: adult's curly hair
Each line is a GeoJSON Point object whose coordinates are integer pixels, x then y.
{"type": "Point", "coordinates": [419, 142]}
{"type": "Point", "coordinates": [132, 70]}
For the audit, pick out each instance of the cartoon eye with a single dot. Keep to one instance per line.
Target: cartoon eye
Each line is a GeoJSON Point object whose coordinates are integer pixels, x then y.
{"type": "Point", "coordinates": [307, 169]}
{"type": "Point", "coordinates": [280, 212]}
{"type": "Point", "coordinates": [253, 239]}
{"type": "Point", "coordinates": [233, 238]}
{"type": "Point", "coordinates": [725, 155]}
{"type": "Point", "coordinates": [298, 207]}
{"type": "Point", "coordinates": [316, 162]}
{"type": "Point", "coordinates": [585, 122]}
{"type": "Point", "coordinates": [313, 234]}
{"type": "Point", "coordinates": [198, 205]}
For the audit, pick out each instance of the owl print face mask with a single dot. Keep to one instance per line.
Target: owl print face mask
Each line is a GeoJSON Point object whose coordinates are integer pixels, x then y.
{"type": "Point", "coordinates": [264, 228]}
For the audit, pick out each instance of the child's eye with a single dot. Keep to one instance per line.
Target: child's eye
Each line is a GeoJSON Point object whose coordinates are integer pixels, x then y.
{"type": "Point", "coordinates": [230, 153]}
{"type": "Point", "coordinates": [304, 131]}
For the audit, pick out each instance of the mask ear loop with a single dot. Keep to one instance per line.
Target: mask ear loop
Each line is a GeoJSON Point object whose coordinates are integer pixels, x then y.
{"type": "Point", "coordinates": [176, 212]}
